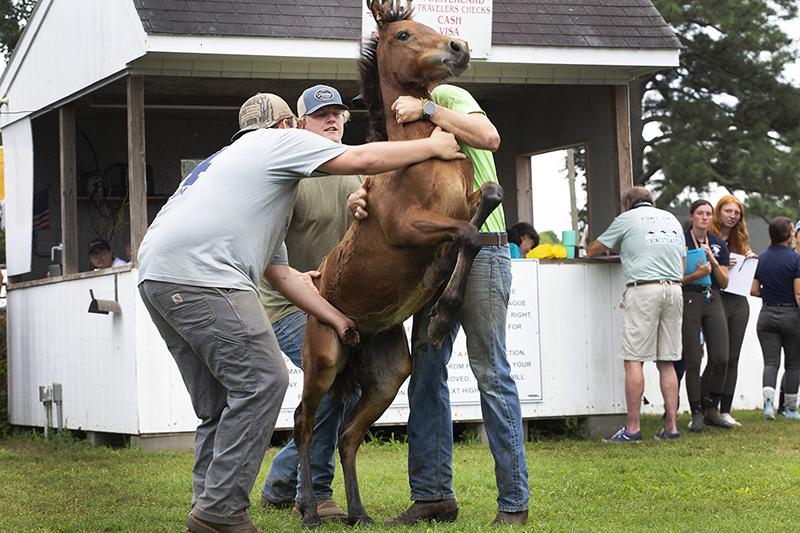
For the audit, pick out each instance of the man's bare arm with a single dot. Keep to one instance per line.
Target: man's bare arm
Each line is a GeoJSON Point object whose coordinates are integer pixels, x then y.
{"type": "Point", "coordinates": [473, 129]}
{"type": "Point", "coordinates": [378, 157]}
{"type": "Point", "coordinates": [596, 248]}
{"type": "Point", "coordinates": [286, 281]}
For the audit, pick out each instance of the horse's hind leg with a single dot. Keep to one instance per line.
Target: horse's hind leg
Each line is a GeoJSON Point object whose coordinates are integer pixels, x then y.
{"type": "Point", "coordinates": [443, 313]}
{"type": "Point", "coordinates": [389, 365]}
{"type": "Point", "coordinates": [323, 357]}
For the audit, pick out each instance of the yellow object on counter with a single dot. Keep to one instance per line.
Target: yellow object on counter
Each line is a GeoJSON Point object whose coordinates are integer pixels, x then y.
{"type": "Point", "coordinates": [547, 251]}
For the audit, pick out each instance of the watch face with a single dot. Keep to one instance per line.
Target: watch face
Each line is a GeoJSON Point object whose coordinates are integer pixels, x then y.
{"type": "Point", "coordinates": [429, 108]}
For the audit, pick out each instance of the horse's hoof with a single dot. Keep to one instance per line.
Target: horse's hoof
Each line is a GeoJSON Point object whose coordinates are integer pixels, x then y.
{"type": "Point", "coordinates": [351, 337]}
{"type": "Point", "coordinates": [363, 520]}
{"type": "Point", "coordinates": [436, 336]}
{"type": "Point", "coordinates": [439, 328]}
{"type": "Point", "coordinates": [310, 522]}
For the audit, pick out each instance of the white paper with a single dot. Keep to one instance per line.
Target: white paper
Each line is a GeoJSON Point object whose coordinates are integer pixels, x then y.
{"type": "Point", "coordinates": [740, 275]}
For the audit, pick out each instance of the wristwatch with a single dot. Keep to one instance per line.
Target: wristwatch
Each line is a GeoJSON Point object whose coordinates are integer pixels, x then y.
{"type": "Point", "coordinates": [428, 109]}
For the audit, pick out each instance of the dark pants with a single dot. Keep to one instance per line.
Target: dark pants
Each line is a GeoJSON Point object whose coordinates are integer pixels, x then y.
{"type": "Point", "coordinates": [710, 316]}
{"type": "Point", "coordinates": [737, 312]}
{"type": "Point", "coordinates": [779, 327]}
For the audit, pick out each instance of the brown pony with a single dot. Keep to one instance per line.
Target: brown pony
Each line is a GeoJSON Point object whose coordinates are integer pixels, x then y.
{"type": "Point", "coordinates": [390, 264]}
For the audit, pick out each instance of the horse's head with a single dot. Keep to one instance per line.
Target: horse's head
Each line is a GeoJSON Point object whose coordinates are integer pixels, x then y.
{"type": "Point", "coordinates": [416, 55]}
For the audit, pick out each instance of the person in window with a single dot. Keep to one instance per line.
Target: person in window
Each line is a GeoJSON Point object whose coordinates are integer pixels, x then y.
{"type": "Point", "coordinates": [101, 256]}
{"type": "Point", "coordinates": [522, 238]}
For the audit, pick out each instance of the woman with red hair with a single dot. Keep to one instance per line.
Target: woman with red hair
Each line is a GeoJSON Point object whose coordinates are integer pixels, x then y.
{"type": "Point", "coordinates": [727, 222]}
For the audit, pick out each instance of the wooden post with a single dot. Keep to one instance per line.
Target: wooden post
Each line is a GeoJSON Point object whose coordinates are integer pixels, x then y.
{"type": "Point", "coordinates": [68, 198]}
{"type": "Point", "coordinates": [137, 174]}
{"type": "Point", "coordinates": [621, 144]}
{"type": "Point", "coordinates": [524, 189]}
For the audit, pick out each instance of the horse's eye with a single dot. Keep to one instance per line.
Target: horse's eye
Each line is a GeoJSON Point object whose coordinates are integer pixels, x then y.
{"type": "Point", "coordinates": [402, 35]}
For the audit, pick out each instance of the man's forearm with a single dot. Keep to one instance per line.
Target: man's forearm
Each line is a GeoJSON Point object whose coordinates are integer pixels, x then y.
{"type": "Point", "coordinates": [596, 248]}
{"type": "Point", "coordinates": [284, 280]}
{"type": "Point", "coordinates": [473, 129]}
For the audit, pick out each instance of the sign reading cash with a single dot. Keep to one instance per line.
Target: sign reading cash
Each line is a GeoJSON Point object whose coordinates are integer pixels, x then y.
{"type": "Point", "coordinates": [468, 20]}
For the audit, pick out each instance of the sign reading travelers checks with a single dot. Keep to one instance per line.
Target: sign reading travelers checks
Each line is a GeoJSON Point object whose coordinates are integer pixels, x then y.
{"type": "Point", "coordinates": [468, 20]}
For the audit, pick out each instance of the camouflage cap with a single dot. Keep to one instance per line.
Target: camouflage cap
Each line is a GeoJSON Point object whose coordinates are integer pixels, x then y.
{"type": "Point", "coordinates": [263, 110]}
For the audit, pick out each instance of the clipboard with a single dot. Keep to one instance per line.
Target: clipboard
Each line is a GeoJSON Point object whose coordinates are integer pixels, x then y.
{"type": "Point", "coordinates": [740, 275]}
{"type": "Point", "coordinates": [693, 258]}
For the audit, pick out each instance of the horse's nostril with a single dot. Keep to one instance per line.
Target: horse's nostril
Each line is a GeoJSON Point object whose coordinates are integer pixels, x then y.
{"type": "Point", "coordinates": [454, 46]}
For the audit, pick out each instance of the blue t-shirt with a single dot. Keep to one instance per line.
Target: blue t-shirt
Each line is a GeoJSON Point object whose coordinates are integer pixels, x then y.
{"type": "Point", "coordinates": [778, 267]}
{"type": "Point", "coordinates": [718, 248]}
{"type": "Point", "coordinates": [515, 252]}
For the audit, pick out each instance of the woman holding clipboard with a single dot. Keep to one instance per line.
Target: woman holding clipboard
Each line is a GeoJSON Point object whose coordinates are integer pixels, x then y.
{"type": "Point", "coordinates": [728, 223]}
{"type": "Point", "coordinates": [706, 273]}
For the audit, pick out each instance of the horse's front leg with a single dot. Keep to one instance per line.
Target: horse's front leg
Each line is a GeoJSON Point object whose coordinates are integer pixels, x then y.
{"type": "Point", "coordinates": [481, 203]}
{"type": "Point", "coordinates": [388, 364]}
{"type": "Point", "coordinates": [322, 359]}
{"type": "Point", "coordinates": [467, 243]}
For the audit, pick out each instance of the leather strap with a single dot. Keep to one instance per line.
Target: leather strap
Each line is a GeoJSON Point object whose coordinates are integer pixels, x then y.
{"type": "Point", "coordinates": [494, 239]}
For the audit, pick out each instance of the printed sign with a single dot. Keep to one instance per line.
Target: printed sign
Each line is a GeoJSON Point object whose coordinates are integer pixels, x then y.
{"type": "Point", "coordinates": [468, 20]}
{"type": "Point", "coordinates": [523, 349]}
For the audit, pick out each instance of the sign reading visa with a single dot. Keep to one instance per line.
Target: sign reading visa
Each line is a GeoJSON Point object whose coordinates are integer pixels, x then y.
{"type": "Point", "coordinates": [468, 20]}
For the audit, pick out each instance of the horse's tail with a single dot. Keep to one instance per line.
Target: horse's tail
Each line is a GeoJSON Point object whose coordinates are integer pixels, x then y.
{"type": "Point", "coordinates": [345, 385]}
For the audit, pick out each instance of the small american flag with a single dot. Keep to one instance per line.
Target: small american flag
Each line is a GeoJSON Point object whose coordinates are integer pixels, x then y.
{"type": "Point", "coordinates": [41, 210]}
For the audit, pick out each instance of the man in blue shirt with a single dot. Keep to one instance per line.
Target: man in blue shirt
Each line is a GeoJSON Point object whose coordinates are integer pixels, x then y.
{"type": "Point", "coordinates": [653, 256]}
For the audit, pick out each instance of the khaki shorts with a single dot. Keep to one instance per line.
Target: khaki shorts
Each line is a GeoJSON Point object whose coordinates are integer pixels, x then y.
{"type": "Point", "coordinates": [651, 323]}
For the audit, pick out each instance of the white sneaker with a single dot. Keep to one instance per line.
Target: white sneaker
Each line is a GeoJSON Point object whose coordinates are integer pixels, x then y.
{"type": "Point", "coordinates": [729, 419]}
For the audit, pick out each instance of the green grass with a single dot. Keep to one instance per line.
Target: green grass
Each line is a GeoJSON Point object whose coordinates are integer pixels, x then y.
{"type": "Point", "coordinates": [742, 480]}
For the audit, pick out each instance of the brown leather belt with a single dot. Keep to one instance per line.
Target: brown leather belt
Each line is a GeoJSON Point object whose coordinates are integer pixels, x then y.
{"type": "Point", "coordinates": [652, 282]}
{"type": "Point", "coordinates": [494, 239]}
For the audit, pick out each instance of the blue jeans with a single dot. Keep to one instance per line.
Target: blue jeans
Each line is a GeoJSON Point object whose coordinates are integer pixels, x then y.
{"type": "Point", "coordinates": [283, 480]}
{"type": "Point", "coordinates": [430, 427]}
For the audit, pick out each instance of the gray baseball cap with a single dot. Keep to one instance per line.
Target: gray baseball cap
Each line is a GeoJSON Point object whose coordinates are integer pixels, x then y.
{"type": "Point", "coordinates": [263, 110]}
{"type": "Point", "coordinates": [316, 97]}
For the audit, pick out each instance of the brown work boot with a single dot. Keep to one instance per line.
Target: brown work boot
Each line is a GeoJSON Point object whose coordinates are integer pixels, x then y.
{"type": "Point", "coordinates": [266, 503]}
{"type": "Point", "coordinates": [510, 519]}
{"type": "Point", "coordinates": [440, 511]}
{"type": "Point", "coordinates": [327, 511]}
{"type": "Point", "coordinates": [195, 525]}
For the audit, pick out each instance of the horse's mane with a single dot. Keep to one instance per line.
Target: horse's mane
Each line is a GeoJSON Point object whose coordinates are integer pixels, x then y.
{"type": "Point", "coordinates": [370, 79]}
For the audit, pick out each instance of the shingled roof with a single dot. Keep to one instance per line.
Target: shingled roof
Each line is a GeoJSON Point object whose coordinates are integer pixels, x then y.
{"type": "Point", "coordinates": [554, 23]}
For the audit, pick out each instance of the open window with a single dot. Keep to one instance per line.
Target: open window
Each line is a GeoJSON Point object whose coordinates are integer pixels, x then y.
{"type": "Point", "coordinates": [553, 192]}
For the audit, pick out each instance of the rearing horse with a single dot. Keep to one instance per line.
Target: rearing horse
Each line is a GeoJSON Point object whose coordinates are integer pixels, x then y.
{"type": "Point", "coordinates": [390, 264]}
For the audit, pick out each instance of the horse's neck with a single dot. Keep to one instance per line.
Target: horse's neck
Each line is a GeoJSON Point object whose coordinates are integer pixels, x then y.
{"type": "Point", "coordinates": [419, 129]}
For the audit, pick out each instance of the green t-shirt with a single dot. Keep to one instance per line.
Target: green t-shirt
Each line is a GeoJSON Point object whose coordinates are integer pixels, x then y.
{"type": "Point", "coordinates": [319, 221]}
{"type": "Point", "coordinates": [458, 99]}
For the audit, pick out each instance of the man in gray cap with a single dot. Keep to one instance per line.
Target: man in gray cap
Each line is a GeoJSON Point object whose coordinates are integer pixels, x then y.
{"type": "Point", "coordinates": [199, 268]}
{"type": "Point", "coordinates": [100, 255]}
{"type": "Point", "coordinates": [319, 222]}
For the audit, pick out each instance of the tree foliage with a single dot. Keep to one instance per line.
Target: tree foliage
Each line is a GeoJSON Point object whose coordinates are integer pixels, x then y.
{"type": "Point", "coordinates": [15, 14]}
{"type": "Point", "coordinates": [726, 115]}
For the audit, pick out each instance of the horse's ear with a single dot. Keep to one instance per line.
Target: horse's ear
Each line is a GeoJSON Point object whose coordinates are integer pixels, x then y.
{"type": "Point", "coordinates": [379, 12]}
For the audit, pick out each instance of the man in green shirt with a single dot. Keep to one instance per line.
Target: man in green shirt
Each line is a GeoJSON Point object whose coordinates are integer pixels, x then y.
{"type": "Point", "coordinates": [483, 317]}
